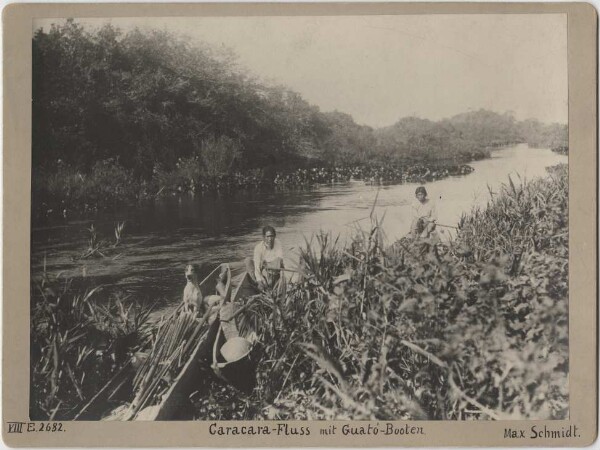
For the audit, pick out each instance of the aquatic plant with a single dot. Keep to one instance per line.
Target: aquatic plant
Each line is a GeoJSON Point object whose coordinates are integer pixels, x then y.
{"type": "Point", "coordinates": [371, 173]}
{"type": "Point", "coordinates": [473, 329]}
{"type": "Point", "coordinates": [70, 193]}
{"type": "Point", "coordinates": [101, 248]}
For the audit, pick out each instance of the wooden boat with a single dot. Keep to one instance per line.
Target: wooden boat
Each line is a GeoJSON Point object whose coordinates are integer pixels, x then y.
{"type": "Point", "coordinates": [103, 397]}
{"type": "Point", "coordinates": [177, 396]}
{"type": "Point", "coordinates": [237, 364]}
{"type": "Point", "coordinates": [239, 372]}
{"type": "Point", "coordinates": [244, 287]}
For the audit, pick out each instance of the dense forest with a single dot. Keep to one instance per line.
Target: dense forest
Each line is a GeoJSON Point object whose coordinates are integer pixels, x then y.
{"type": "Point", "coordinates": [138, 111]}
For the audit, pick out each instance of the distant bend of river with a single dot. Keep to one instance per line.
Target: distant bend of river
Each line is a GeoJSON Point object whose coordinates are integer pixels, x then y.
{"type": "Point", "coordinates": [160, 239]}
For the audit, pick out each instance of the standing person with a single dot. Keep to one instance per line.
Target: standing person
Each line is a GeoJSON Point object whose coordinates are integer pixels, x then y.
{"type": "Point", "coordinates": [424, 215]}
{"type": "Point", "coordinates": [265, 267]}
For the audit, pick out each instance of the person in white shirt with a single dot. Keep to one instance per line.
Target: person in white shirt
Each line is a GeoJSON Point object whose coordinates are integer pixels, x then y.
{"type": "Point", "coordinates": [424, 215]}
{"type": "Point", "coordinates": [265, 267]}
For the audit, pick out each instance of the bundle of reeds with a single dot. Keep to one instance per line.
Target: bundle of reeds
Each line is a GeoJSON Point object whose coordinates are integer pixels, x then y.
{"type": "Point", "coordinates": [175, 340]}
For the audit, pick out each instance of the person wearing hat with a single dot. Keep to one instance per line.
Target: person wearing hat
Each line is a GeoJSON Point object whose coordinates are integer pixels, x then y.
{"type": "Point", "coordinates": [424, 215]}
{"type": "Point", "coordinates": [265, 267]}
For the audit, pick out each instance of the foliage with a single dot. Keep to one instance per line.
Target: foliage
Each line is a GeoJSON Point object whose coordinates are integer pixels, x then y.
{"type": "Point", "coordinates": [78, 341]}
{"type": "Point", "coordinates": [147, 98]}
{"type": "Point", "coordinates": [466, 136]}
{"type": "Point", "coordinates": [475, 329]}
{"type": "Point", "coordinates": [218, 156]}
{"type": "Point", "coordinates": [170, 350]}
{"type": "Point", "coordinates": [347, 142]}
{"type": "Point", "coordinates": [71, 193]}
{"type": "Point", "coordinates": [323, 259]}
{"type": "Point", "coordinates": [372, 173]}
{"type": "Point", "coordinates": [66, 190]}
{"type": "Point", "coordinates": [100, 248]}
{"type": "Point", "coordinates": [423, 140]}
{"type": "Point", "coordinates": [537, 134]}
{"type": "Point", "coordinates": [121, 117]}
{"type": "Point", "coordinates": [521, 217]}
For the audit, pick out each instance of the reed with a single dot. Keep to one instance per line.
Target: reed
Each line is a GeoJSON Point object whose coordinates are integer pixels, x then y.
{"type": "Point", "coordinates": [170, 350]}
{"type": "Point", "coordinates": [79, 340]}
{"type": "Point", "coordinates": [102, 248]}
{"type": "Point", "coordinates": [474, 331]}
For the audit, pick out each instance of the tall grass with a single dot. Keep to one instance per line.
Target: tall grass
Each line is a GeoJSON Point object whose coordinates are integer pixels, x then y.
{"type": "Point", "coordinates": [79, 339]}
{"type": "Point", "coordinates": [67, 191]}
{"type": "Point", "coordinates": [520, 217]}
{"type": "Point", "coordinates": [477, 331]}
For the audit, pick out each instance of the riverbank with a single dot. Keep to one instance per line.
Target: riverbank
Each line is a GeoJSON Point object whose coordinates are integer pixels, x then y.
{"type": "Point", "coordinates": [418, 330]}
{"type": "Point", "coordinates": [69, 193]}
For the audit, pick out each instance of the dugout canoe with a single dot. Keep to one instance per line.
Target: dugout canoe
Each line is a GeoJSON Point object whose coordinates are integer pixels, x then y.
{"type": "Point", "coordinates": [176, 398]}
{"type": "Point", "coordinates": [235, 353]}
{"type": "Point", "coordinates": [238, 372]}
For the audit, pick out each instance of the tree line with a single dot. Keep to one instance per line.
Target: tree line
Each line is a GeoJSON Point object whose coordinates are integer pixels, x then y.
{"type": "Point", "coordinates": [149, 100]}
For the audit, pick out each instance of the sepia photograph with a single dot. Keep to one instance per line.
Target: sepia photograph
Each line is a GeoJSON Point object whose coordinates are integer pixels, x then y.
{"type": "Point", "coordinates": [300, 225]}
{"type": "Point", "coordinates": [300, 218]}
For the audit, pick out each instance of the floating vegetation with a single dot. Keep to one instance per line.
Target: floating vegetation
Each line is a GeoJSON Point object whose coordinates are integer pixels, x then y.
{"type": "Point", "coordinates": [72, 193]}
{"type": "Point", "coordinates": [417, 173]}
{"type": "Point", "coordinates": [100, 248]}
{"type": "Point", "coordinates": [256, 179]}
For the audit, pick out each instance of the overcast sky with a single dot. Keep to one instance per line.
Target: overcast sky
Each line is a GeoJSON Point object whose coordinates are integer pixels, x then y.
{"type": "Point", "coordinates": [382, 68]}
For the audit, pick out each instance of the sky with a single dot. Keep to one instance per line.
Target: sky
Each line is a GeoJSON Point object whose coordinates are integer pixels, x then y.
{"type": "Point", "coordinates": [382, 68]}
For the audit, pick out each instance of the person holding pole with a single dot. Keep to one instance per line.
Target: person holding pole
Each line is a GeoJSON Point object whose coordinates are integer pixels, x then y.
{"type": "Point", "coordinates": [424, 215]}
{"type": "Point", "coordinates": [266, 265]}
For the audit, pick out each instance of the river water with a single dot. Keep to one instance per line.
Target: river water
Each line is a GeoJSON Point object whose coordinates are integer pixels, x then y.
{"type": "Point", "coordinates": [160, 239]}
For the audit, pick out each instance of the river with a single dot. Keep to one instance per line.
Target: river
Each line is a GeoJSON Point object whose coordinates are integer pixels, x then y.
{"type": "Point", "coordinates": [160, 239]}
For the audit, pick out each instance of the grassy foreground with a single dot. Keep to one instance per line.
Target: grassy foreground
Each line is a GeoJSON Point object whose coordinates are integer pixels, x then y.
{"type": "Point", "coordinates": [471, 331]}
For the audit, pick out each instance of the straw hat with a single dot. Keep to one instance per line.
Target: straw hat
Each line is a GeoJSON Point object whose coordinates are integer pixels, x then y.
{"type": "Point", "coordinates": [235, 349]}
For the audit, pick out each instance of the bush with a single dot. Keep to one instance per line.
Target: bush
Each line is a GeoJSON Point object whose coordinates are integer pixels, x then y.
{"type": "Point", "coordinates": [185, 177]}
